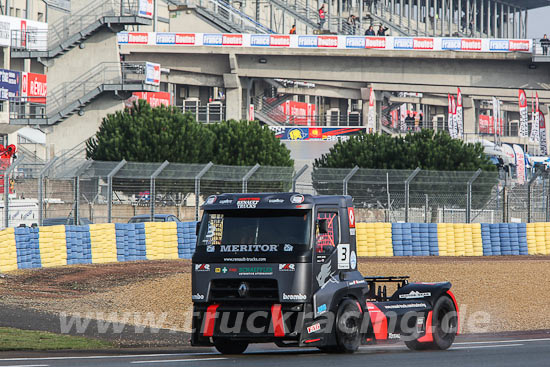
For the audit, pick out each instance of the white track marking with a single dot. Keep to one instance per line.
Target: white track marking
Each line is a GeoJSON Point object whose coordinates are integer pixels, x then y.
{"type": "Point", "coordinates": [28, 365]}
{"type": "Point", "coordinates": [180, 360]}
{"type": "Point", "coordinates": [488, 346]}
{"type": "Point", "coordinates": [102, 357]}
{"type": "Point", "coordinates": [505, 341]}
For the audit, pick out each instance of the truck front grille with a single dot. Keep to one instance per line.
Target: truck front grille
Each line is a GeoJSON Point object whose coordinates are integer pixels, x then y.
{"type": "Point", "coordinates": [256, 290]}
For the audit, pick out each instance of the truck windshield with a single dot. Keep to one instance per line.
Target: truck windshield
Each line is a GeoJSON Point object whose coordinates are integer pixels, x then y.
{"type": "Point", "coordinates": [255, 227]}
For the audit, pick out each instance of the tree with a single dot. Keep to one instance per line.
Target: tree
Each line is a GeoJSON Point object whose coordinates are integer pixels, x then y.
{"type": "Point", "coordinates": [454, 161]}
{"type": "Point", "coordinates": [145, 134]}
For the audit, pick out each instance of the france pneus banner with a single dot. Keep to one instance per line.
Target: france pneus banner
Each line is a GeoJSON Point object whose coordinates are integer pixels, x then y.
{"type": "Point", "coordinates": [535, 137]}
{"type": "Point", "coordinates": [452, 121]}
{"type": "Point", "coordinates": [371, 123]}
{"type": "Point", "coordinates": [458, 115]}
{"type": "Point", "coordinates": [523, 115]}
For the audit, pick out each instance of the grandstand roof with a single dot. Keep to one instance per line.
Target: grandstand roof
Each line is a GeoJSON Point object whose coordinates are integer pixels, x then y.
{"type": "Point", "coordinates": [529, 4]}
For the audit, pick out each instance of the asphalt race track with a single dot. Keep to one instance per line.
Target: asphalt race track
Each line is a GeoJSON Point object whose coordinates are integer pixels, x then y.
{"type": "Point", "coordinates": [512, 352]}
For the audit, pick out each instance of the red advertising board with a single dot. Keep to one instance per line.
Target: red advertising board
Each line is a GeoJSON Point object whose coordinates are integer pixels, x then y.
{"type": "Point", "coordinates": [34, 86]}
{"type": "Point", "coordinates": [486, 125]}
{"type": "Point", "coordinates": [155, 99]}
{"type": "Point", "coordinates": [298, 113]}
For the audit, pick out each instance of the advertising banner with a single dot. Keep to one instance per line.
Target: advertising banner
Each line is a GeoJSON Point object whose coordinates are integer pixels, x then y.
{"type": "Point", "coordinates": [152, 73]}
{"type": "Point", "coordinates": [155, 99]}
{"type": "Point", "coordinates": [520, 163]}
{"type": "Point", "coordinates": [316, 133]}
{"type": "Point", "coordinates": [542, 134]}
{"type": "Point", "coordinates": [371, 123]}
{"type": "Point", "coordinates": [28, 34]}
{"type": "Point", "coordinates": [523, 115]}
{"type": "Point", "coordinates": [146, 9]}
{"type": "Point", "coordinates": [454, 120]}
{"type": "Point", "coordinates": [34, 86]}
{"type": "Point", "coordinates": [330, 41]}
{"type": "Point", "coordinates": [459, 114]}
{"type": "Point", "coordinates": [9, 84]}
{"type": "Point", "coordinates": [509, 152]}
{"type": "Point", "coordinates": [487, 125]}
{"type": "Point", "coordinates": [450, 118]}
{"type": "Point", "coordinates": [297, 113]}
{"type": "Point", "coordinates": [535, 136]}
{"type": "Point", "coordinates": [402, 117]}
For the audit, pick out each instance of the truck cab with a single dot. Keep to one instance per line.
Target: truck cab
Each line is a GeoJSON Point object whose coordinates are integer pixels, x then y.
{"type": "Point", "coordinates": [282, 268]}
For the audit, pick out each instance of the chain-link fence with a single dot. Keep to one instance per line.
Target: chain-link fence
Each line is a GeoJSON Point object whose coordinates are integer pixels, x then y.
{"type": "Point", "coordinates": [68, 190]}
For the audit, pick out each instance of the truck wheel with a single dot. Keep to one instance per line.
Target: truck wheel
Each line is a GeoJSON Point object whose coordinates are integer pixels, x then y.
{"type": "Point", "coordinates": [227, 346]}
{"type": "Point", "coordinates": [444, 326]}
{"type": "Point", "coordinates": [348, 324]}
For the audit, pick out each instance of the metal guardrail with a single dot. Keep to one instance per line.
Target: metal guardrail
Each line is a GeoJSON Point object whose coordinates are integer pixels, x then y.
{"type": "Point", "coordinates": [238, 19]}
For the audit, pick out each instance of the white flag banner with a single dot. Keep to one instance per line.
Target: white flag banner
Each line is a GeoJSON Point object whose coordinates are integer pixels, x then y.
{"type": "Point", "coordinates": [450, 116]}
{"type": "Point", "coordinates": [495, 116]}
{"type": "Point", "coordinates": [459, 115]}
{"type": "Point", "coordinates": [402, 117]}
{"type": "Point", "coordinates": [542, 133]}
{"type": "Point", "coordinates": [535, 136]}
{"type": "Point", "coordinates": [455, 121]}
{"type": "Point", "coordinates": [523, 115]}
{"type": "Point", "coordinates": [520, 163]}
{"type": "Point", "coordinates": [371, 123]}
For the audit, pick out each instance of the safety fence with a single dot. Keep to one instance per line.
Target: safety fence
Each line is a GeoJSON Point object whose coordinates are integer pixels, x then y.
{"type": "Point", "coordinates": [24, 248]}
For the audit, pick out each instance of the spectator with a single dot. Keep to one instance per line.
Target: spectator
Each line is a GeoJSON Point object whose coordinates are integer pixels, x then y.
{"type": "Point", "coordinates": [293, 29]}
{"type": "Point", "coordinates": [382, 31]}
{"type": "Point", "coordinates": [351, 23]}
{"type": "Point", "coordinates": [322, 15]}
{"type": "Point", "coordinates": [471, 28]}
{"type": "Point", "coordinates": [409, 121]}
{"type": "Point", "coordinates": [370, 32]}
{"type": "Point", "coordinates": [545, 42]}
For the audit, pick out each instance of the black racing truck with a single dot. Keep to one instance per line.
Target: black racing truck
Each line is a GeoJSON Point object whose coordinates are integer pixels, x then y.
{"type": "Point", "coordinates": [282, 268]}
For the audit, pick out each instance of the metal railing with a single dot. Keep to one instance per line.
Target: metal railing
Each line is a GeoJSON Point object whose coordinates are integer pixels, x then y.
{"type": "Point", "coordinates": [103, 192]}
{"type": "Point", "coordinates": [80, 90]}
{"type": "Point", "coordinates": [212, 112]}
{"type": "Point", "coordinates": [225, 12]}
{"type": "Point", "coordinates": [62, 30]}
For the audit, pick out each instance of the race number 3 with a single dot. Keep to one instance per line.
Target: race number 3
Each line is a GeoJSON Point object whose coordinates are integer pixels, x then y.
{"type": "Point", "coordinates": [343, 256]}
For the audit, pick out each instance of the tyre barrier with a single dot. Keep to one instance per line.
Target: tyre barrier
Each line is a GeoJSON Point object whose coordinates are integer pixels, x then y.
{"type": "Point", "coordinates": [25, 248]}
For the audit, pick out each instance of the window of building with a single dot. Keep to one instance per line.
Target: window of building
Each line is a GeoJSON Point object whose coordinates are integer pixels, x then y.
{"type": "Point", "coordinates": [18, 12]}
{"type": "Point", "coordinates": [40, 16]}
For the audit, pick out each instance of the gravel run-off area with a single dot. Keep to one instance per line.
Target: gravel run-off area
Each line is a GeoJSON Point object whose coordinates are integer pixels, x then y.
{"type": "Point", "coordinates": [494, 293]}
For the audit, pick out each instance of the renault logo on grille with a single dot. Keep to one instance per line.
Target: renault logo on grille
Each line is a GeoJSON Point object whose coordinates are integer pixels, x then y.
{"type": "Point", "coordinates": [243, 290]}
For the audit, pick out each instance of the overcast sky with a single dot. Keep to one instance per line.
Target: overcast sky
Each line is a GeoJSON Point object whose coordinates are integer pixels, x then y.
{"type": "Point", "coordinates": [538, 22]}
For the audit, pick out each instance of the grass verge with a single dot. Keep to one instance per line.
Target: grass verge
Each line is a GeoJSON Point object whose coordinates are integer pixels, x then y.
{"type": "Point", "coordinates": [15, 339]}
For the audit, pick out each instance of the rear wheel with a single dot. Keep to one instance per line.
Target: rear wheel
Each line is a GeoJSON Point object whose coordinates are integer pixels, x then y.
{"type": "Point", "coordinates": [227, 346]}
{"type": "Point", "coordinates": [348, 325]}
{"type": "Point", "coordinates": [444, 326]}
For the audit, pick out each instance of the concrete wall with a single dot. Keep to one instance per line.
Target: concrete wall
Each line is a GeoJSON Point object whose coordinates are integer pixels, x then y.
{"type": "Point", "coordinates": [186, 20]}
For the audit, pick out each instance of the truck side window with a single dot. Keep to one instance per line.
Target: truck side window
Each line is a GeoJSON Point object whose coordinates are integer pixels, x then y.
{"type": "Point", "coordinates": [326, 242]}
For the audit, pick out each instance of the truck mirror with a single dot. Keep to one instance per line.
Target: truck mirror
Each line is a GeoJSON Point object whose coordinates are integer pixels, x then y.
{"type": "Point", "coordinates": [323, 226]}
{"type": "Point", "coordinates": [197, 228]}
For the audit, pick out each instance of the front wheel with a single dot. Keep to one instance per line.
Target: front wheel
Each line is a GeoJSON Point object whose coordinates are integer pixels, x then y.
{"type": "Point", "coordinates": [444, 327]}
{"type": "Point", "coordinates": [348, 325]}
{"type": "Point", "coordinates": [226, 346]}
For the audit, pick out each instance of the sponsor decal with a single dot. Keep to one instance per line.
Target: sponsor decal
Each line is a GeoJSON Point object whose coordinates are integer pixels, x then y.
{"type": "Point", "coordinates": [297, 199]}
{"type": "Point", "coordinates": [185, 39]}
{"type": "Point", "coordinates": [356, 282]}
{"type": "Point", "coordinates": [287, 267]}
{"type": "Point", "coordinates": [403, 43]}
{"type": "Point", "coordinates": [225, 270]}
{"type": "Point", "coordinates": [275, 201]}
{"type": "Point", "coordinates": [327, 41]}
{"type": "Point", "coordinates": [307, 41]}
{"type": "Point", "coordinates": [322, 309]}
{"type": "Point", "coordinates": [352, 231]}
{"type": "Point", "coordinates": [294, 297]}
{"type": "Point", "coordinates": [351, 217]}
{"type": "Point", "coordinates": [212, 39]}
{"type": "Point", "coordinates": [451, 44]}
{"type": "Point", "coordinates": [249, 248]}
{"type": "Point", "coordinates": [166, 38]}
{"type": "Point", "coordinates": [468, 44]}
{"type": "Point", "coordinates": [355, 42]}
{"type": "Point", "coordinates": [324, 274]}
{"type": "Point", "coordinates": [232, 40]}
{"type": "Point", "coordinates": [34, 85]}
{"type": "Point", "coordinates": [405, 305]}
{"type": "Point", "coordinates": [279, 40]}
{"type": "Point", "coordinates": [122, 37]}
{"type": "Point", "coordinates": [138, 38]}
{"type": "Point", "coordinates": [353, 260]}
{"type": "Point", "coordinates": [394, 336]}
{"type": "Point", "coordinates": [259, 40]}
{"type": "Point", "coordinates": [415, 294]}
{"type": "Point", "coordinates": [255, 271]}
{"type": "Point", "coordinates": [313, 328]}
{"type": "Point", "coordinates": [244, 259]}
{"type": "Point", "coordinates": [519, 45]}
{"type": "Point", "coordinates": [375, 42]}
{"type": "Point", "coordinates": [210, 248]}
{"type": "Point", "coordinates": [202, 267]}
{"type": "Point", "coordinates": [247, 203]}
{"type": "Point", "coordinates": [225, 201]}
{"type": "Point", "coordinates": [197, 296]}
{"type": "Point", "coordinates": [211, 200]}
{"type": "Point", "coordinates": [423, 43]}
{"type": "Point", "coordinates": [499, 45]}
{"type": "Point", "coordinates": [288, 248]}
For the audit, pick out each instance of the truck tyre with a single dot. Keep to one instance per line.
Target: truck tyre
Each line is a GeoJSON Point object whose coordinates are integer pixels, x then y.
{"type": "Point", "coordinates": [444, 326]}
{"type": "Point", "coordinates": [348, 325]}
{"type": "Point", "coordinates": [227, 346]}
